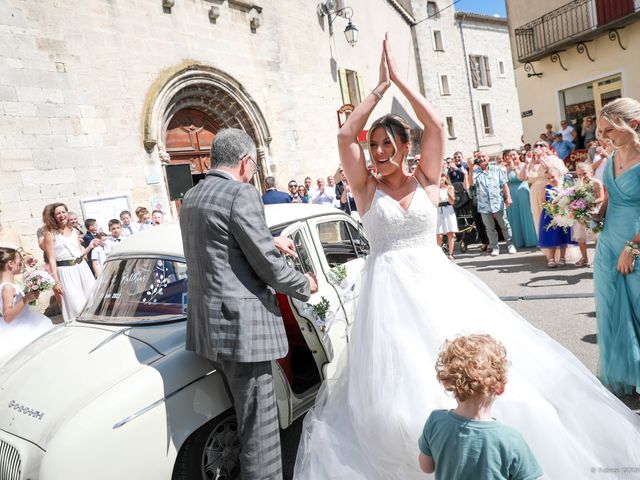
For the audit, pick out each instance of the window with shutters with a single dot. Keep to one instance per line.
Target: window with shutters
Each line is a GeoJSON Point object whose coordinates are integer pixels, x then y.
{"type": "Point", "coordinates": [480, 71]}
{"type": "Point", "coordinates": [351, 86]}
{"type": "Point", "coordinates": [438, 44]}
{"type": "Point", "coordinates": [444, 85]}
{"type": "Point", "coordinates": [432, 10]}
{"type": "Point", "coordinates": [450, 128]}
{"type": "Point", "coordinates": [487, 121]}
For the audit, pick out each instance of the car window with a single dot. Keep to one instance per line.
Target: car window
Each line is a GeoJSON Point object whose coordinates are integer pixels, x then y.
{"type": "Point", "coordinates": [136, 290]}
{"type": "Point", "coordinates": [303, 262]}
{"type": "Point", "coordinates": [341, 242]}
{"type": "Point", "coordinates": [359, 241]}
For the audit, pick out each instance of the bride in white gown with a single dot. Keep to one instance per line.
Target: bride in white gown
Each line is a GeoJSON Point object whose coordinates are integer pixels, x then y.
{"type": "Point", "coordinates": [367, 421]}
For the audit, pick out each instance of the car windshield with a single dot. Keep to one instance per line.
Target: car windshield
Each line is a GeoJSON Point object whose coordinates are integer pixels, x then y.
{"type": "Point", "coordinates": [138, 290]}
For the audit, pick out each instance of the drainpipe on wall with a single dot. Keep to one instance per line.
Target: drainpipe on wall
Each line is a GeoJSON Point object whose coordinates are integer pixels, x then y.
{"type": "Point", "coordinates": [466, 64]}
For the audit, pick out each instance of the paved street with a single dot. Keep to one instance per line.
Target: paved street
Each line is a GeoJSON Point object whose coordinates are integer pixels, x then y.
{"type": "Point", "coordinates": [559, 302]}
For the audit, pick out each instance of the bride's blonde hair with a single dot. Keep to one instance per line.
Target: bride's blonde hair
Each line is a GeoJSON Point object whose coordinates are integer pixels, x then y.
{"type": "Point", "coordinates": [393, 125]}
{"type": "Point", "coordinates": [620, 113]}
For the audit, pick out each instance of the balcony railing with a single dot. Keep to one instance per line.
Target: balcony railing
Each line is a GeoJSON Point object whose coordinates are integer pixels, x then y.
{"type": "Point", "coordinates": [569, 24]}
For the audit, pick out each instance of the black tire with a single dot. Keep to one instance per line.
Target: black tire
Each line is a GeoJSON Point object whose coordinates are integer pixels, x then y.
{"type": "Point", "coordinates": [212, 452]}
{"type": "Point", "coordinates": [463, 246]}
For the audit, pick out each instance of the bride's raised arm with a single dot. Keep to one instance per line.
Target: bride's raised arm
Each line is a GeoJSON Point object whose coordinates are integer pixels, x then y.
{"type": "Point", "coordinates": [351, 153]}
{"type": "Point", "coordinates": [432, 148]}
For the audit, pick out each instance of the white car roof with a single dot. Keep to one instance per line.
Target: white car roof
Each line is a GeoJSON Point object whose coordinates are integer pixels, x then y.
{"type": "Point", "coordinates": [166, 241]}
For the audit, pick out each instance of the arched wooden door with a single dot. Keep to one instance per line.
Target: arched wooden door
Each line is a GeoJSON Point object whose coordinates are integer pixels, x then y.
{"type": "Point", "coordinates": [190, 134]}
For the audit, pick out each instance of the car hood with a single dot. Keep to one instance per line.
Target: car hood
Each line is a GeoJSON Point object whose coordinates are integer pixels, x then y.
{"type": "Point", "coordinates": [54, 377]}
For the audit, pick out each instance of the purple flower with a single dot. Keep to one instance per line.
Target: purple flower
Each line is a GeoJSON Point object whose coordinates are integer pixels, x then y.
{"type": "Point", "coordinates": [579, 204]}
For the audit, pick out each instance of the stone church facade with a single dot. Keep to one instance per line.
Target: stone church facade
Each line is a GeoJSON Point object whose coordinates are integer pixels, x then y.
{"type": "Point", "coordinates": [101, 99]}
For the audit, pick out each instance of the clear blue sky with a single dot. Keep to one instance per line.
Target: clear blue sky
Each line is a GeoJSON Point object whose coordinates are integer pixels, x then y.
{"type": "Point", "coordinates": [484, 7]}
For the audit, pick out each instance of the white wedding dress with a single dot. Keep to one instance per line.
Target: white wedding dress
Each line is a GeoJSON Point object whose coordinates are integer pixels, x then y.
{"type": "Point", "coordinates": [366, 422]}
{"type": "Point", "coordinates": [24, 329]}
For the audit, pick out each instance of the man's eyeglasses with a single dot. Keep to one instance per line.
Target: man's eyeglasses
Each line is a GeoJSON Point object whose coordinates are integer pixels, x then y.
{"type": "Point", "coordinates": [254, 163]}
{"type": "Point", "coordinates": [293, 185]}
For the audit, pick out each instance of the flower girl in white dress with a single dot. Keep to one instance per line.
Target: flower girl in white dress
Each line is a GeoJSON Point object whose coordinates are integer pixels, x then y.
{"type": "Point", "coordinates": [19, 323]}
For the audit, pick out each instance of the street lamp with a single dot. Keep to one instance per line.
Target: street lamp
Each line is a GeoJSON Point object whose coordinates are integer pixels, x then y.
{"type": "Point", "coordinates": [328, 8]}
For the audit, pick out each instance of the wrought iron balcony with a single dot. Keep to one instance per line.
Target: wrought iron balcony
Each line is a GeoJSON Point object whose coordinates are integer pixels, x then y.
{"type": "Point", "coordinates": [573, 23]}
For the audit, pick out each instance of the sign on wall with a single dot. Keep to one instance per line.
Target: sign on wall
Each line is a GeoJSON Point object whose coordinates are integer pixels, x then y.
{"type": "Point", "coordinates": [104, 209]}
{"type": "Point", "coordinates": [575, 157]}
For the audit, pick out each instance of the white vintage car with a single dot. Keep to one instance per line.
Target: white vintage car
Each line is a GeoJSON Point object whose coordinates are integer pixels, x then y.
{"type": "Point", "coordinates": [115, 395]}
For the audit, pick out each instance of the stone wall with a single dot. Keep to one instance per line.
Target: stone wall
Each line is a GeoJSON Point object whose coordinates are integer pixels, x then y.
{"type": "Point", "coordinates": [76, 78]}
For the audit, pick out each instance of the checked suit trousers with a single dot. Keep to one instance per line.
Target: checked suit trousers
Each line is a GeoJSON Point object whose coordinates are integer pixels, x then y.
{"type": "Point", "coordinates": [251, 385]}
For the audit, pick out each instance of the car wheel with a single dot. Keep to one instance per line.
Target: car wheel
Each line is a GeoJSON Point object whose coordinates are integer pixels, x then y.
{"type": "Point", "coordinates": [212, 452]}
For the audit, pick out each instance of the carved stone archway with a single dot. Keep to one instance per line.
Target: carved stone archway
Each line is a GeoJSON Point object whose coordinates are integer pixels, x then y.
{"type": "Point", "coordinates": [211, 91]}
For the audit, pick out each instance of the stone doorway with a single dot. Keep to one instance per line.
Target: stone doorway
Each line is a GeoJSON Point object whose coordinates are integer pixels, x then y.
{"type": "Point", "coordinates": [186, 108]}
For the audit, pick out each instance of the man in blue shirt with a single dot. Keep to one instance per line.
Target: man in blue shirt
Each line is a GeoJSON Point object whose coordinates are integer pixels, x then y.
{"type": "Point", "coordinates": [272, 195]}
{"type": "Point", "coordinates": [562, 147]}
{"type": "Point", "coordinates": [492, 191]}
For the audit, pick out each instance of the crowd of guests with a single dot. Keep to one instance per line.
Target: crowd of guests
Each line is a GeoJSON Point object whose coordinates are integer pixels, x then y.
{"type": "Point", "coordinates": [329, 192]}
{"type": "Point", "coordinates": [75, 256]}
{"type": "Point", "coordinates": [507, 194]}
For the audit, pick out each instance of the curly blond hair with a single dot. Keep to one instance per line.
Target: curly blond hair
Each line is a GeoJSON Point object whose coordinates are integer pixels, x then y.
{"type": "Point", "coordinates": [472, 366]}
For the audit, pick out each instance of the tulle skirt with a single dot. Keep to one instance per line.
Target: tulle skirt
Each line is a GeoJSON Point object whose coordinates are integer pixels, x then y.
{"type": "Point", "coordinates": [23, 330]}
{"type": "Point", "coordinates": [367, 420]}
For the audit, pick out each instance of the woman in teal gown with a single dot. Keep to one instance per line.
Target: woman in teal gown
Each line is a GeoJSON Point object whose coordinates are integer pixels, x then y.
{"type": "Point", "coordinates": [616, 271]}
{"type": "Point", "coordinates": [523, 228]}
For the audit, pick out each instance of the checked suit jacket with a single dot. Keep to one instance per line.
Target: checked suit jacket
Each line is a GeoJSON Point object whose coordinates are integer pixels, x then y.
{"type": "Point", "coordinates": [234, 267]}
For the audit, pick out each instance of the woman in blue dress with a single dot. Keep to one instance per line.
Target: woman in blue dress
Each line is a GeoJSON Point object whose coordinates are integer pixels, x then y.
{"type": "Point", "coordinates": [519, 214]}
{"type": "Point", "coordinates": [616, 271]}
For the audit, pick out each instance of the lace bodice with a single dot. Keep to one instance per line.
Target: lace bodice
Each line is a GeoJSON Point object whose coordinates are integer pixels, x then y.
{"type": "Point", "coordinates": [390, 227]}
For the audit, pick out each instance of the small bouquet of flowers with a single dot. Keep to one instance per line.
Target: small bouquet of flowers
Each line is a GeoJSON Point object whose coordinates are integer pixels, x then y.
{"type": "Point", "coordinates": [571, 204]}
{"type": "Point", "coordinates": [35, 280]}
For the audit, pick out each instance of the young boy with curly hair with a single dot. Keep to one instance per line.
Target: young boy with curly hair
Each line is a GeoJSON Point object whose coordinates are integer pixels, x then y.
{"type": "Point", "coordinates": [467, 443]}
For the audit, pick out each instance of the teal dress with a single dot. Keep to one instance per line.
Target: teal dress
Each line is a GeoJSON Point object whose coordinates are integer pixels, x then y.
{"type": "Point", "coordinates": [617, 295]}
{"type": "Point", "coordinates": [523, 229]}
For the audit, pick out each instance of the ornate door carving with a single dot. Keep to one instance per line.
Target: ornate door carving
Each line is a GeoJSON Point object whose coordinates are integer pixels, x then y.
{"type": "Point", "coordinates": [189, 137]}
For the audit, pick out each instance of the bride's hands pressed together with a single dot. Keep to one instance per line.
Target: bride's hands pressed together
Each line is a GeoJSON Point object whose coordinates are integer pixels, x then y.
{"type": "Point", "coordinates": [392, 68]}
{"type": "Point", "coordinates": [383, 78]}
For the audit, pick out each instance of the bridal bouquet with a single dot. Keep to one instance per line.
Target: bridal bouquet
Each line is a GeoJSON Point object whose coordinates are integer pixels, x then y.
{"type": "Point", "coordinates": [35, 280]}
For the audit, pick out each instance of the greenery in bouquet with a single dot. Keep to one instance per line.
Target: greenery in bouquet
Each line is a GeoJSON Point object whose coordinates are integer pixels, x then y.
{"type": "Point", "coordinates": [321, 309]}
{"type": "Point", "coordinates": [338, 274]}
{"type": "Point", "coordinates": [37, 280]}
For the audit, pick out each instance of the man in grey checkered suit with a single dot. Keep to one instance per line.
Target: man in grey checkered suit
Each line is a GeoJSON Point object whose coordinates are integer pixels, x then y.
{"type": "Point", "coordinates": [233, 319]}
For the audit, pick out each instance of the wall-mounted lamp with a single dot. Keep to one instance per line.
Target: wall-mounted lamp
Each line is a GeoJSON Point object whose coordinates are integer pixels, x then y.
{"type": "Point", "coordinates": [328, 8]}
